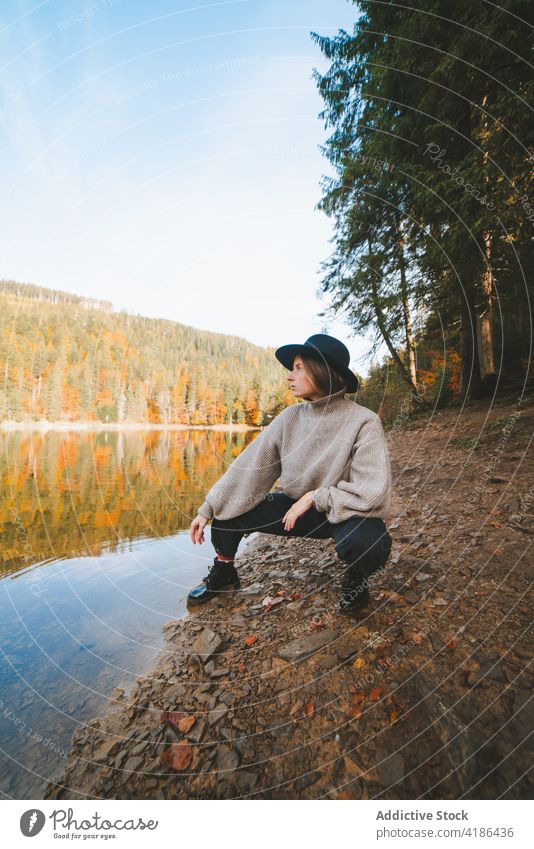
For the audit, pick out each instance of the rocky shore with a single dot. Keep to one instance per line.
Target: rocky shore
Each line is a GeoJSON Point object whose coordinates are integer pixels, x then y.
{"type": "Point", "coordinates": [269, 693]}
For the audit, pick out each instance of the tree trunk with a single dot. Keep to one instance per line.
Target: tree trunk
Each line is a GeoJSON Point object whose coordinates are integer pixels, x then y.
{"type": "Point", "coordinates": [408, 332]}
{"type": "Point", "coordinates": [405, 374]}
{"type": "Point", "coordinates": [485, 306]}
{"type": "Point", "coordinates": [485, 320]}
{"type": "Point", "coordinates": [471, 385]}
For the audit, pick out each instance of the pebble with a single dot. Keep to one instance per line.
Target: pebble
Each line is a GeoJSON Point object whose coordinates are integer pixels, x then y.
{"type": "Point", "coordinates": [227, 760]}
{"type": "Point", "coordinates": [133, 764]}
{"type": "Point", "coordinates": [219, 673]}
{"type": "Point", "coordinates": [306, 780]}
{"type": "Point", "coordinates": [304, 646]}
{"type": "Point", "coordinates": [206, 644]}
{"type": "Point", "coordinates": [390, 767]}
{"type": "Point", "coordinates": [216, 715]}
{"type": "Point", "coordinates": [411, 597]}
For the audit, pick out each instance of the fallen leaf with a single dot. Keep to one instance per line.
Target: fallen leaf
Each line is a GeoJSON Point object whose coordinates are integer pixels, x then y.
{"type": "Point", "coordinates": [178, 756]}
{"type": "Point", "coordinates": [186, 723]}
{"type": "Point", "coordinates": [359, 663]}
{"type": "Point", "coordinates": [495, 524]}
{"type": "Point", "coordinates": [249, 641]}
{"type": "Point", "coordinates": [417, 638]}
{"type": "Point", "coordinates": [451, 644]}
{"type": "Point", "coordinates": [375, 694]}
{"type": "Point", "coordinates": [241, 666]}
{"type": "Point", "coordinates": [356, 712]}
{"type": "Point", "coordinates": [358, 698]}
{"type": "Point", "coordinates": [270, 602]}
{"type": "Point", "coordinates": [308, 710]}
{"type": "Point", "coordinates": [172, 716]}
{"type": "Point", "coordinates": [393, 716]}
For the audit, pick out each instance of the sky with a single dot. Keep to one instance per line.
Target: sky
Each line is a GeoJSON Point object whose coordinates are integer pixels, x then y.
{"type": "Point", "coordinates": [165, 156]}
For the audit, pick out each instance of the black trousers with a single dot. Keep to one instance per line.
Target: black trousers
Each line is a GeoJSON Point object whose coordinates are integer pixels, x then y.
{"type": "Point", "coordinates": [363, 543]}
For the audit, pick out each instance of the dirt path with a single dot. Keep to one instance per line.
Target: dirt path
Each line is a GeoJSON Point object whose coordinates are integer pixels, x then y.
{"type": "Point", "coordinates": [426, 694]}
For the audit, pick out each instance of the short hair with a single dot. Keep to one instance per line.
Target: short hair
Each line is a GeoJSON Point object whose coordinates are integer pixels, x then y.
{"type": "Point", "coordinates": [326, 379]}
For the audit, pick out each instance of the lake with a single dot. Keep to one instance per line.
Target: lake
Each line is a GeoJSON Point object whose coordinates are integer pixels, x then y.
{"type": "Point", "coordinates": [96, 557]}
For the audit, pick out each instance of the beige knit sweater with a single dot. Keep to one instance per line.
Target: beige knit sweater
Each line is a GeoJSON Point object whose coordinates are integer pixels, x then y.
{"type": "Point", "coordinates": [333, 445]}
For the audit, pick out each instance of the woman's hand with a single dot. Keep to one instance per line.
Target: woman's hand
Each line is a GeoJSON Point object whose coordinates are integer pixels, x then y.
{"type": "Point", "coordinates": [298, 509]}
{"type": "Point", "coordinates": [197, 529]}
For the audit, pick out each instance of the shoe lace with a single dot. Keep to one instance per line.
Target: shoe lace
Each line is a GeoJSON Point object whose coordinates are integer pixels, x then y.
{"type": "Point", "coordinates": [209, 577]}
{"type": "Point", "coordinates": [212, 571]}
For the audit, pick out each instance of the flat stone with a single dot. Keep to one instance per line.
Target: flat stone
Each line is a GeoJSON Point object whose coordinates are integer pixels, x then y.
{"type": "Point", "coordinates": [390, 767]}
{"type": "Point", "coordinates": [133, 764]}
{"type": "Point", "coordinates": [206, 644]}
{"type": "Point", "coordinates": [228, 698]}
{"type": "Point", "coordinates": [253, 589]}
{"type": "Point", "coordinates": [305, 780]}
{"type": "Point", "coordinates": [493, 671]}
{"type": "Point", "coordinates": [227, 760]}
{"type": "Point", "coordinates": [107, 750]}
{"type": "Point", "coordinates": [308, 644]}
{"type": "Point", "coordinates": [118, 693]}
{"type": "Point", "coordinates": [139, 749]}
{"type": "Point", "coordinates": [237, 620]}
{"type": "Point", "coordinates": [329, 661]}
{"type": "Point", "coordinates": [435, 639]}
{"type": "Point", "coordinates": [486, 672]}
{"type": "Point", "coordinates": [482, 656]}
{"type": "Point", "coordinates": [411, 597]}
{"type": "Point", "coordinates": [220, 673]}
{"type": "Point", "coordinates": [244, 780]}
{"type": "Point", "coordinates": [196, 733]}
{"type": "Point", "coordinates": [216, 715]}
{"type": "Point", "coordinates": [348, 645]}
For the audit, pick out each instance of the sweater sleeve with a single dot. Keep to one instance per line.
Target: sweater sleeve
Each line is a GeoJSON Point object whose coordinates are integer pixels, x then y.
{"type": "Point", "coordinates": [249, 478]}
{"type": "Point", "coordinates": [369, 486]}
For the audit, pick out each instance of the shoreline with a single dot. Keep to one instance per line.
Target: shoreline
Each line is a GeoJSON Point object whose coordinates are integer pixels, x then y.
{"type": "Point", "coordinates": [267, 692]}
{"type": "Point", "coordinates": [118, 426]}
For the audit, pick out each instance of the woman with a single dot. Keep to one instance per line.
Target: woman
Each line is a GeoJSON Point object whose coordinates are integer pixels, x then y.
{"type": "Point", "coordinates": [332, 459]}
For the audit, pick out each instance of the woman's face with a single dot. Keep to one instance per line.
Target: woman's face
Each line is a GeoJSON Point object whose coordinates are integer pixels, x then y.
{"type": "Point", "coordinates": [301, 385]}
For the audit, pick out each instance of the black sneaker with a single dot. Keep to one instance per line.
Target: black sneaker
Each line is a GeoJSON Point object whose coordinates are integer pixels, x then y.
{"type": "Point", "coordinates": [221, 576]}
{"type": "Point", "coordinates": [354, 593]}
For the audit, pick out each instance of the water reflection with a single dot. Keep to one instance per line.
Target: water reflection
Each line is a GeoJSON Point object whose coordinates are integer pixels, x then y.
{"type": "Point", "coordinates": [96, 558]}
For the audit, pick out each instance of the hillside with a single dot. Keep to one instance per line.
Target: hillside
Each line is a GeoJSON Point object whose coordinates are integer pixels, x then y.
{"type": "Point", "coordinates": [64, 357]}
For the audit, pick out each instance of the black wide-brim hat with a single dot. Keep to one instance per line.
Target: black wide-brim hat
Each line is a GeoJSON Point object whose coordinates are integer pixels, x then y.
{"type": "Point", "coordinates": [325, 349]}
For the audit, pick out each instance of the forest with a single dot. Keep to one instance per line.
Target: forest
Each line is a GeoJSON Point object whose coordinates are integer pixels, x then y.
{"type": "Point", "coordinates": [67, 358]}
{"type": "Point", "coordinates": [429, 113]}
